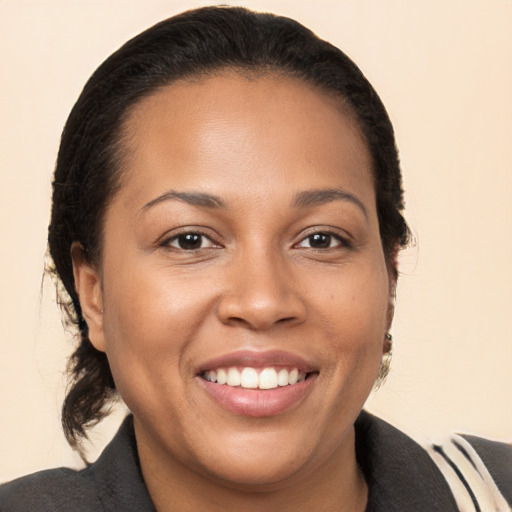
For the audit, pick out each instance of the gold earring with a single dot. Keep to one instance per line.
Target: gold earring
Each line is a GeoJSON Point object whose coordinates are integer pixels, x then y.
{"type": "Point", "coordinates": [388, 345]}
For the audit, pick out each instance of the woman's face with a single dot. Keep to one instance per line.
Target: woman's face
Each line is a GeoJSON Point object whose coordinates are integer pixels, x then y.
{"type": "Point", "coordinates": [244, 236]}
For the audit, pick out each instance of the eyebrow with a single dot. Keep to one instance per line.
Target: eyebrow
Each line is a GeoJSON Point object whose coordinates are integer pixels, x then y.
{"type": "Point", "coordinates": [304, 199]}
{"type": "Point", "coordinates": [321, 196]}
{"type": "Point", "coordinates": [200, 199]}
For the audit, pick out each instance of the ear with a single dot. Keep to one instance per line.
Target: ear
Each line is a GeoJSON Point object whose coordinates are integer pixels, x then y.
{"type": "Point", "coordinates": [88, 288]}
{"type": "Point", "coordinates": [392, 278]}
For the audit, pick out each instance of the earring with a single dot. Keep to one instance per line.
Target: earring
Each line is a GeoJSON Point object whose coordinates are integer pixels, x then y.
{"type": "Point", "coordinates": [388, 344]}
{"type": "Point", "coordinates": [386, 360]}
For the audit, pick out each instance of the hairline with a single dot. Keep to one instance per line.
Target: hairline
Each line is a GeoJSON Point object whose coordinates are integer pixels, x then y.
{"type": "Point", "coordinates": [123, 136]}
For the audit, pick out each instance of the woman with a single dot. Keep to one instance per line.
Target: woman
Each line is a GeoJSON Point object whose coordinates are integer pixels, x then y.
{"type": "Point", "coordinates": [227, 213]}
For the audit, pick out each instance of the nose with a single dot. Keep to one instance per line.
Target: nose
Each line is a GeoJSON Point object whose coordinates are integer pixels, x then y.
{"type": "Point", "coordinates": [260, 293]}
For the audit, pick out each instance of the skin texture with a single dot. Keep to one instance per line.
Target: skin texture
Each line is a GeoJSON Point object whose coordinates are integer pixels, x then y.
{"type": "Point", "coordinates": [253, 283]}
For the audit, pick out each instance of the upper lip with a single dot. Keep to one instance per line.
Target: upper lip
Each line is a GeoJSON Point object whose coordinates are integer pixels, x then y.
{"type": "Point", "coordinates": [256, 359]}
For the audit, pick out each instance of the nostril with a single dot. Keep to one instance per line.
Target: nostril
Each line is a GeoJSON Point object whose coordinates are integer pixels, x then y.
{"type": "Point", "coordinates": [286, 319]}
{"type": "Point", "coordinates": [237, 320]}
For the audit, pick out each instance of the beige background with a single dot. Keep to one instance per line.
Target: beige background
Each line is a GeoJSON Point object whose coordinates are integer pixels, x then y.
{"type": "Point", "coordinates": [444, 70]}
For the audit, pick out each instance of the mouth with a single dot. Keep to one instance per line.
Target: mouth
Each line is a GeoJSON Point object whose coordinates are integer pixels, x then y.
{"type": "Point", "coordinates": [258, 384]}
{"type": "Point", "coordinates": [255, 378]}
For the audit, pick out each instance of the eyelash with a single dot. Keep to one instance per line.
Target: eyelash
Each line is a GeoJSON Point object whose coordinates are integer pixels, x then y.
{"type": "Point", "coordinates": [168, 242]}
{"type": "Point", "coordinates": [341, 242]}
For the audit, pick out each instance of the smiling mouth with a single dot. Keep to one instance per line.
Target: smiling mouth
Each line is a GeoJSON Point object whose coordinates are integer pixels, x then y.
{"type": "Point", "coordinates": [258, 385]}
{"type": "Point", "coordinates": [255, 378]}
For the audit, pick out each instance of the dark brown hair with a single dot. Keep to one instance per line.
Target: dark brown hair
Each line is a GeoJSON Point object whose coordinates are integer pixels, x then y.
{"type": "Point", "coordinates": [87, 173]}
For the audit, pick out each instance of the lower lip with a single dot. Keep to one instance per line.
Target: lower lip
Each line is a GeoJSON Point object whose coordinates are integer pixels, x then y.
{"type": "Point", "coordinates": [259, 402]}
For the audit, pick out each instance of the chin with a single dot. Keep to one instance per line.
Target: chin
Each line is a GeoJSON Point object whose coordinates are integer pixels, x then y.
{"type": "Point", "coordinates": [260, 475]}
{"type": "Point", "coordinates": [259, 461]}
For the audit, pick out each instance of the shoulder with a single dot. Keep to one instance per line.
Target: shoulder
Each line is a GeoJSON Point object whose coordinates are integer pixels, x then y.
{"type": "Point", "coordinates": [113, 483]}
{"type": "Point", "coordinates": [497, 455]}
{"type": "Point", "coordinates": [497, 458]}
{"type": "Point", "coordinates": [399, 472]}
{"type": "Point", "coordinates": [478, 471]}
{"type": "Point", "coordinates": [461, 473]}
{"type": "Point", "coordinates": [53, 490]}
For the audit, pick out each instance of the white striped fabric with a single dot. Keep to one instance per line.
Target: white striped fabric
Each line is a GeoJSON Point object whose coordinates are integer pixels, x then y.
{"type": "Point", "coordinates": [472, 485]}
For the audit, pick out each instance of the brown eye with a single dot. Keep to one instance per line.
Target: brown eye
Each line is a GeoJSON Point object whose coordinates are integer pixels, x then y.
{"type": "Point", "coordinates": [190, 242]}
{"type": "Point", "coordinates": [322, 240]}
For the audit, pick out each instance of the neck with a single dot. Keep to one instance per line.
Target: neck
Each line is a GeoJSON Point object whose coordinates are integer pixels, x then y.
{"type": "Point", "coordinates": [337, 485]}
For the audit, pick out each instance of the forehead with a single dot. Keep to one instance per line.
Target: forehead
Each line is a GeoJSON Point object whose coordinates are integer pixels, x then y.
{"type": "Point", "coordinates": [230, 129]}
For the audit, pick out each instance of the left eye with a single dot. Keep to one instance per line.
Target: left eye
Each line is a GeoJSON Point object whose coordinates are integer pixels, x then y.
{"type": "Point", "coordinates": [321, 241]}
{"type": "Point", "coordinates": [190, 241]}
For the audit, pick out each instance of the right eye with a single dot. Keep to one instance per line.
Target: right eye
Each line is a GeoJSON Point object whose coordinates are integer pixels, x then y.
{"type": "Point", "coordinates": [321, 240]}
{"type": "Point", "coordinates": [190, 241]}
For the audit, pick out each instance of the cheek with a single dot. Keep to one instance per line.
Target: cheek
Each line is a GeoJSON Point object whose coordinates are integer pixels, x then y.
{"type": "Point", "coordinates": [148, 298]}
{"type": "Point", "coordinates": [353, 300]}
{"type": "Point", "coordinates": [150, 317]}
{"type": "Point", "coordinates": [352, 310]}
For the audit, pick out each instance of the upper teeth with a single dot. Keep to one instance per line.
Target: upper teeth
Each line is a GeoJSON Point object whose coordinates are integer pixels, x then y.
{"type": "Point", "coordinates": [267, 378]}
